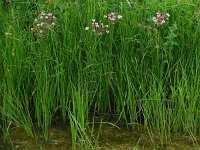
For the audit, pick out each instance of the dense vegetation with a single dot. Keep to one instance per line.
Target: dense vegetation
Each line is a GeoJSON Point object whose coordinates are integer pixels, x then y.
{"type": "Point", "coordinates": [147, 73]}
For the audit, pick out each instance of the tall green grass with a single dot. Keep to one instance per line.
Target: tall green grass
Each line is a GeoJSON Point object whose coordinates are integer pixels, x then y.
{"type": "Point", "coordinates": [148, 77]}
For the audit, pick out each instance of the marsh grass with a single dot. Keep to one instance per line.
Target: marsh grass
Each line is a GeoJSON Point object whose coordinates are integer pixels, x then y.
{"type": "Point", "coordinates": [148, 77]}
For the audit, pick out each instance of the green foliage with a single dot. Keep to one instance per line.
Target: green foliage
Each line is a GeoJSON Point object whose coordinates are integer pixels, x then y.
{"type": "Point", "coordinates": [146, 74]}
{"type": "Point", "coordinates": [171, 38]}
{"type": "Point", "coordinates": [170, 42]}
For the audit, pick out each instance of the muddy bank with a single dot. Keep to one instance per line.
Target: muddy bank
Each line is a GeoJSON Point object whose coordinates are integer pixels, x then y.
{"type": "Point", "coordinates": [110, 137]}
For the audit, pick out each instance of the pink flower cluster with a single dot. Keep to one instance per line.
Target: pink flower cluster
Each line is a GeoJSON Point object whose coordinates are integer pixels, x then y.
{"type": "Point", "coordinates": [160, 18]}
{"type": "Point", "coordinates": [113, 17]}
{"type": "Point", "coordinates": [99, 28]}
{"type": "Point", "coordinates": [43, 23]}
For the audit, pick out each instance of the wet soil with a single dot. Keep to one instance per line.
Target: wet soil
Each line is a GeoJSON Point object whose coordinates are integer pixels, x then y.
{"type": "Point", "coordinates": [111, 137]}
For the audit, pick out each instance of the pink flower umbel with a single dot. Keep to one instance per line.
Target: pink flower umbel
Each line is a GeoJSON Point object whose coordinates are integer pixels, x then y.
{"type": "Point", "coordinates": [43, 23]}
{"type": "Point", "coordinates": [98, 28]}
{"type": "Point", "coordinates": [113, 17]}
{"type": "Point", "coordinates": [160, 18]}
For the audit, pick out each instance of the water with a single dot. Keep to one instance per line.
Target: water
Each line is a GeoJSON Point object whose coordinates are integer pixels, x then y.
{"type": "Point", "coordinates": [110, 137]}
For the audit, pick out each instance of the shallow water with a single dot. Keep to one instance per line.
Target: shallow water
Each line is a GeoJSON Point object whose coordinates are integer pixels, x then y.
{"type": "Point", "coordinates": [110, 137]}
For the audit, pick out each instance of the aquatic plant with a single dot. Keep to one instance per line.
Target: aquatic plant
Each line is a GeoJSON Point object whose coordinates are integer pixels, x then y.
{"type": "Point", "coordinates": [98, 28]}
{"type": "Point", "coordinates": [113, 17]}
{"type": "Point", "coordinates": [160, 18]}
{"type": "Point", "coordinates": [43, 23]}
{"type": "Point", "coordinates": [148, 76]}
